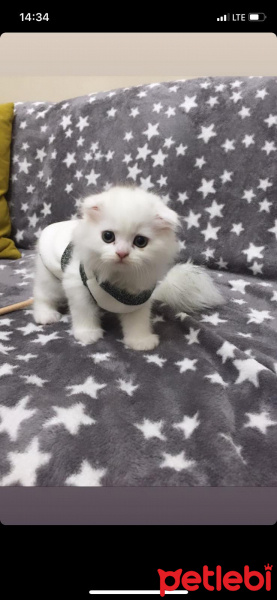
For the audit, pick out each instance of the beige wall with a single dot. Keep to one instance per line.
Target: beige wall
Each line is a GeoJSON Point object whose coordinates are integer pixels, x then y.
{"type": "Point", "coordinates": [55, 66]}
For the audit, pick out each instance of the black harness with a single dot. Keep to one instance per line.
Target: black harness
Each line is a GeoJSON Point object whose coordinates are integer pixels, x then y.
{"type": "Point", "coordinates": [117, 293]}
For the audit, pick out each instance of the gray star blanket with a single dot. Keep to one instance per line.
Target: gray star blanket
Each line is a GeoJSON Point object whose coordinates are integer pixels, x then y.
{"type": "Point", "coordinates": [201, 409]}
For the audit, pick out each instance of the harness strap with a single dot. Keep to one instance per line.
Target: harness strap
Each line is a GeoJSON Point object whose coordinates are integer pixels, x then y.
{"type": "Point", "coordinates": [117, 293]}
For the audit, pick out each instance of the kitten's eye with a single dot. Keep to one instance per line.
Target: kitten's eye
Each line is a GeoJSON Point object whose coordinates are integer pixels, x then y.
{"type": "Point", "coordinates": [140, 241]}
{"type": "Point", "coordinates": [108, 236]}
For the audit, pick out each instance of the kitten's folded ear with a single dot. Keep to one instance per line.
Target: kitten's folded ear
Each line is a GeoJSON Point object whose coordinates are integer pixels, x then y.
{"type": "Point", "coordinates": [167, 219]}
{"type": "Point", "coordinates": [91, 206]}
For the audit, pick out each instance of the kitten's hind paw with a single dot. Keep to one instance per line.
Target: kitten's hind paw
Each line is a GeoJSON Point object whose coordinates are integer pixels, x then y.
{"type": "Point", "coordinates": [146, 343]}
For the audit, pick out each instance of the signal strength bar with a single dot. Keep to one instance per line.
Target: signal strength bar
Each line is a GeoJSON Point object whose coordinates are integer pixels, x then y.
{"type": "Point", "coordinates": [224, 18]}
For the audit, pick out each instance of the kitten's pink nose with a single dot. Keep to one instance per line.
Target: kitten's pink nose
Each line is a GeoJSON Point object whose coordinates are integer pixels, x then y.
{"type": "Point", "coordinates": [122, 254]}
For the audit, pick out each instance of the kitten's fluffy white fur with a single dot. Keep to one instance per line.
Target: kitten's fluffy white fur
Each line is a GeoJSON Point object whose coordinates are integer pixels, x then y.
{"type": "Point", "coordinates": [127, 212]}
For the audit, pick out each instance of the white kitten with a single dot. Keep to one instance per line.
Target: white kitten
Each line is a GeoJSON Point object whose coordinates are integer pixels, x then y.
{"type": "Point", "coordinates": [113, 258]}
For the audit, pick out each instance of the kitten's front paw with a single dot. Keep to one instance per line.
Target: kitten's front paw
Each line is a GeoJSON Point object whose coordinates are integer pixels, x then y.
{"type": "Point", "coordinates": [146, 343]}
{"type": "Point", "coordinates": [43, 314]}
{"type": "Point", "coordinates": [86, 335]}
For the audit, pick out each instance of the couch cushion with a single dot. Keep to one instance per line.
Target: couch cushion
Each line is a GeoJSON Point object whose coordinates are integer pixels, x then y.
{"type": "Point", "coordinates": [207, 145]}
{"type": "Point", "coordinates": [7, 246]}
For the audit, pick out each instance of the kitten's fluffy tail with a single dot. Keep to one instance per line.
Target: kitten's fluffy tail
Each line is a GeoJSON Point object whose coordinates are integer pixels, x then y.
{"type": "Point", "coordinates": [188, 288]}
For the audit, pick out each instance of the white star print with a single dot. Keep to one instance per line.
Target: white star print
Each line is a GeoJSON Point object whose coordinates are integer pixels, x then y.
{"type": "Point", "coordinates": [236, 96]}
{"type": "Point", "coordinates": [238, 301]}
{"type": "Point", "coordinates": [226, 176]}
{"type": "Point", "coordinates": [157, 107]}
{"type": "Point", "coordinates": [207, 133]}
{"type": "Point", "coordinates": [92, 177]}
{"type": "Point", "coordinates": [227, 350]}
{"type": "Point", "coordinates": [256, 268]}
{"type": "Point", "coordinates": [228, 145]}
{"type": "Point", "coordinates": [146, 183]}
{"type": "Point", "coordinates": [34, 380]}
{"type": "Point", "coordinates": [181, 150]}
{"type": "Point", "coordinates": [71, 418]}
{"type": "Point", "coordinates": [127, 158]}
{"type": "Point", "coordinates": [258, 316]}
{"type": "Point", "coordinates": [99, 357]}
{"type": "Point", "coordinates": [26, 357]}
{"type": "Point", "coordinates": [128, 136]}
{"type": "Point", "coordinates": [207, 187]}
{"type": "Point", "coordinates": [200, 162]}
{"type": "Point", "coordinates": [181, 316]}
{"type": "Point", "coordinates": [269, 147]}
{"type": "Point", "coordinates": [271, 120]}
{"type": "Point", "coordinates": [260, 421]}
{"type": "Point", "coordinates": [274, 229]}
{"type": "Point", "coordinates": [248, 140]}
{"type": "Point", "coordinates": [212, 101]}
{"type": "Point", "coordinates": [248, 370]}
{"type": "Point", "coordinates": [24, 465]}
{"type": "Point", "coordinates": [189, 103]}
{"type": "Point", "coordinates": [244, 112]}
{"type": "Point", "coordinates": [253, 252]}
{"type": "Point", "coordinates": [215, 210]}
{"type": "Point", "coordinates": [187, 364]}
{"type": "Point", "coordinates": [155, 359]}
{"type": "Point", "coordinates": [162, 181]}
{"type": "Point", "coordinates": [134, 112]}
{"type": "Point", "coordinates": [112, 112]}
{"type": "Point", "coordinates": [89, 387]}
{"type": "Point", "coordinates": [216, 378]}
{"type": "Point", "coordinates": [4, 335]}
{"type": "Point", "coordinates": [177, 462]}
{"type": "Point", "coordinates": [192, 336]}
{"type": "Point", "coordinates": [210, 232]}
{"type": "Point", "coordinates": [143, 152]}
{"type": "Point", "coordinates": [66, 121]}
{"type": "Point", "coordinates": [11, 418]}
{"type": "Point", "coordinates": [151, 131]}
{"type": "Point", "coordinates": [6, 349]}
{"type": "Point", "coordinates": [221, 264]}
{"type": "Point", "coordinates": [170, 112]}
{"type": "Point", "coordinates": [213, 319]}
{"type": "Point", "coordinates": [261, 94]}
{"type": "Point", "coordinates": [70, 159]}
{"type": "Point", "coordinates": [188, 425]}
{"type": "Point", "coordinates": [24, 166]}
{"type": "Point", "coordinates": [192, 219]}
{"type": "Point", "coordinates": [168, 142]}
{"type": "Point", "coordinates": [87, 476]}
{"type": "Point", "coordinates": [159, 158]}
{"type": "Point", "coordinates": [151, 429]}
{"type": "Point", "coordinates": [238, 285]}
{"type": "Point", "coordinates": [264, 205]}
{"type": "Point", "coordinates": [127, 386]}
{"type": "Point", "coordinates": [182, 197]}
{"type": "Point", "coordinates": [133, 172]}
{"type": "Point", "coordinates": [44, 339]}
{"type": "Point", "coordinates": [264, 184]}
{"type": "Point", "coordinates": [7, 369]}
{"type": "Point", "coordinates": [209, 253]}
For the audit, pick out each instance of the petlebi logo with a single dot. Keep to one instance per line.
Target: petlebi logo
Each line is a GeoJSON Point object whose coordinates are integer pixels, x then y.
{"type": "Point", "coordinates": [216, 580]}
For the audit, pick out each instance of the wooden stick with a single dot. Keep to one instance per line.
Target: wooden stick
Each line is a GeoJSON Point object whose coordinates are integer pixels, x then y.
{"type": "Point", "coordinates": [17, 306]}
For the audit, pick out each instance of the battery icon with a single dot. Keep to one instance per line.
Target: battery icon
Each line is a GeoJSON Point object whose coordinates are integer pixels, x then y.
{"type": "Point", "coordinates": [256, 17]}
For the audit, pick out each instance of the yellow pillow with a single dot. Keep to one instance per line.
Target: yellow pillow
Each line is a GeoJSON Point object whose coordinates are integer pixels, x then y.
{"type": "Point", "coordinates": [7, 246]}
